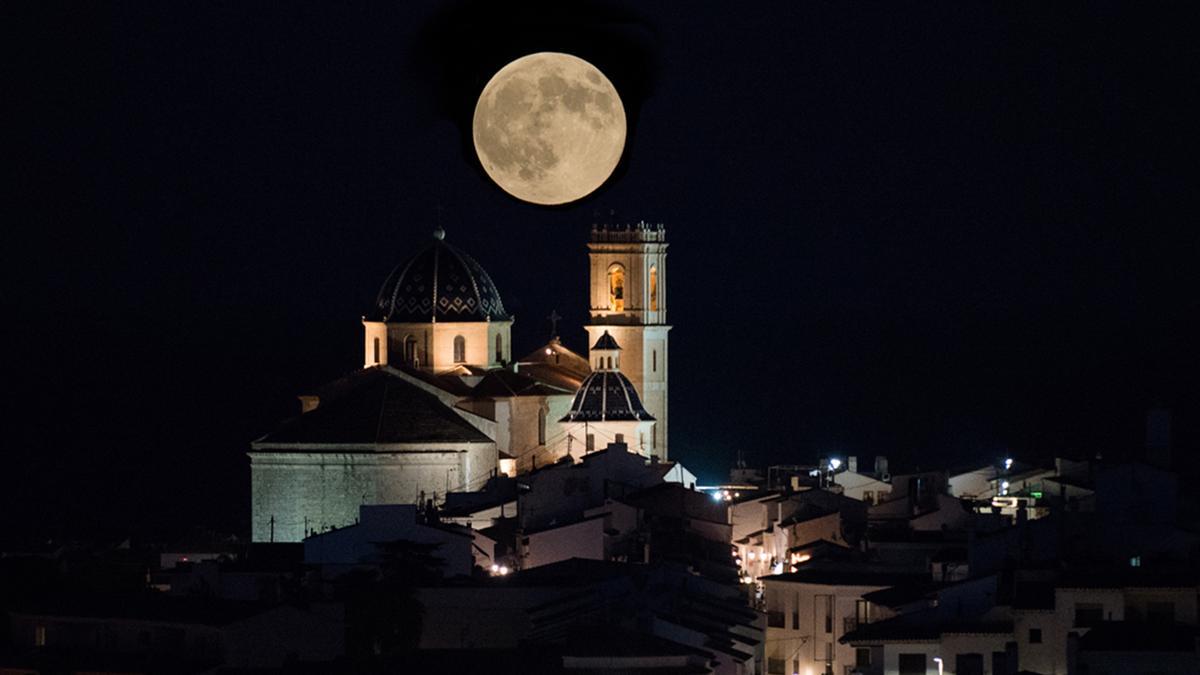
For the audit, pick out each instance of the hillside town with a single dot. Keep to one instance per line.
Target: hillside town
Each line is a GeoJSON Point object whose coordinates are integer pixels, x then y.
{"type": "Point", "coordinates": [618, 563]}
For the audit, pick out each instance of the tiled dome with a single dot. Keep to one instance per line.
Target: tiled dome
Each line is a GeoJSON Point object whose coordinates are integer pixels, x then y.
{"type": "Point", "coordinates": [440, 282]}
{"type": "Point", "coordinates": [607, 396]}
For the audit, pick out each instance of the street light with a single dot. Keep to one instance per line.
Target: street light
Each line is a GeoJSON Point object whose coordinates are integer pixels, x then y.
{"type": "Point", "coordinates": [938, 660]}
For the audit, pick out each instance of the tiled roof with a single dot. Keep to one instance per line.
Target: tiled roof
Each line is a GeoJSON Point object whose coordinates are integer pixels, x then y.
{"type": "Point", "coordinates": [607, 396]}
{"type": "Point", "coordinates": [378, 407]}
{"type": "Point", "coordinates": [439, 282]}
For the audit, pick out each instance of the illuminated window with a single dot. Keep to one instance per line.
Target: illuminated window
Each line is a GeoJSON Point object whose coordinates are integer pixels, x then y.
{"type": "Point", "coordinates": [541, 427]}
{"type": "Point", "coordinates": [39, 636]}
{"type": "Point", "coordinates": [499, 348]}
{"type": "Point", "coordinates": [460, 349]}
{"type": "Point", "coordinates": [616, 288]}
{"type": "Point", "coordinates": [376, 350]}
{"type": "Point", "coordinates": [653, 288]}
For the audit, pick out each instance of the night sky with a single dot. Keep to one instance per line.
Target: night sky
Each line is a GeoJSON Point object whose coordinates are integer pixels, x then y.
{"type": "Point", "coordinates": [942, 232]}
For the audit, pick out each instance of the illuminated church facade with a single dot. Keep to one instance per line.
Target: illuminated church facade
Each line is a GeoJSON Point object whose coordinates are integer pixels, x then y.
{"type": "Point", "coordinates": [441, 405]}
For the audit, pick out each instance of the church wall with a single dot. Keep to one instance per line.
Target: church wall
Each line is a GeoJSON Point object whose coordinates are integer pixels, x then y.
{"type": "Point", "coordinates": [523, 438]}
{"type": "Point", "coordinates": [325, 489]}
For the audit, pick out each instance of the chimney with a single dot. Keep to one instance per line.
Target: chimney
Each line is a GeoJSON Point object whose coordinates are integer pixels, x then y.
{"type": "Point", "coordinates": [881, 468]}
{"type": "Point", "coordinates": [852, 464]}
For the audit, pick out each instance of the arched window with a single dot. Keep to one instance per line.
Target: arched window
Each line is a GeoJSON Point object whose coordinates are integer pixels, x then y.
{"type": "Point", "coordinates": [410, 350]}
{"type": "Point", "coordinates": [376, 350]}
{"type": "Point", "coordinates": [541, 427]}
{"type": "Point", "coordinates": [610, 363]}
{"type": "Point", "coordinates": [616, 288]}
{"type": "Point", "coordinates": [499, 348]}
{"type": "Point", "coordinates": [653, 288]}
{"type": "Point", "coordinates": [460, 349]}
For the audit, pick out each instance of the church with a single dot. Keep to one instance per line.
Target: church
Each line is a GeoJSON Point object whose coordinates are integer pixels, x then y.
{"type": "Point", "coordinates": [440, 404]}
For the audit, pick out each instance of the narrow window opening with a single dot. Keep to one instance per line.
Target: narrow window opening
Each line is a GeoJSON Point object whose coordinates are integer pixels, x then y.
{"type": "Point", "coordinates": [620, 438]}
{"type": "Point", "coordinates": [591, 443]}
{"type": "Point", "coordinates": [376, 342]}
{"type": "Point", "coordinates": [654, 361]}
{"type": "Point", "coordinates": [499, 348]}
{"type": "Point", "coordinates": [410, 350]}
{"type": "Point", "coordinates": [460, 349]}
{"type": "Point", "coordinates": [541, 427]}
{"type": "Point", "coordinates": [653, 288]}
{"type": "Point", "coordinates": [610, 363]}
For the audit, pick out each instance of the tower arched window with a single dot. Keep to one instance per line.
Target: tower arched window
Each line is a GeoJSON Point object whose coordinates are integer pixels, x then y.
{"type": "Point", "coordinates": [499, 348]}
{"type": "Point", "coordinates": [460, 349]}
{"type": "Point", "coordinates": [616, 288]}
{"type": "Point", "coordinates": [653, 288]}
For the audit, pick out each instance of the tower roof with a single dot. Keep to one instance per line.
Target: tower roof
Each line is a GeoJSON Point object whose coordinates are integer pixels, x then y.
{"type": "Point", "coordinates": [606, 341]}
{"type": "Point", "coordinates": [607, 396]}
{"type": "Point", "coordinates": [439, 282]}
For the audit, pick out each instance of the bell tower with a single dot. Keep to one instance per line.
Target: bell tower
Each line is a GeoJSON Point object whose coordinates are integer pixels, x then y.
{"type": "Point", "coordinates": [629, 301]}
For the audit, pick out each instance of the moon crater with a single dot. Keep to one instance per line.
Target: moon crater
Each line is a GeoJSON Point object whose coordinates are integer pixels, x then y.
{"type": "Point", "coordinates": [549, 128]}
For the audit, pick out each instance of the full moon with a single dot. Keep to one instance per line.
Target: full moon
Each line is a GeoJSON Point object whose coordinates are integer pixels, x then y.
{"type": "Point", "coordinates": [549, 128]}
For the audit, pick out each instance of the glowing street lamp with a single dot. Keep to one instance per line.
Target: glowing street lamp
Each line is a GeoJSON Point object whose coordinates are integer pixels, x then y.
{"type": "Point", "coordinates": [938, 660]}
{"type": "Point", "coordinates": [834, 464]}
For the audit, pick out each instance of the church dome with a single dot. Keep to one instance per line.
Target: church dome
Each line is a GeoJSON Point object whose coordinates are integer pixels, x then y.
{"type": "Point", "coordinates": [440, 282]}
{"type": "Point", "coordinates": [607, 396]}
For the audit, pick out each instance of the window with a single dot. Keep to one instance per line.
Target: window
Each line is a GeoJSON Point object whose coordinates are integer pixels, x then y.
{"type": "Point", "coordinates": [776, 666]}
{"type": "Point", "coordinates": [620, 438]}
{"type": "Point", "coordinates": [868, 496]}
{"type": "Point", "coordinates": [1088, 615]}
{"type": "Point", "coordinates": [460, 349]}
{"type": "Point", "coordinates": [825, 603]}
{"type": "Point", "coordinates": [775, 620]}
{"type": "Point", "coordinates": [1135, 561]}
{"type": "Point", "coordinates": [653, 288]}
{"type": "Point", "coordinates": [591, 442]}
{"type": "Point", "coordinates": [376, 360]}
{"type": "Point", "coordinates": [1035, 636]}
{"type": "Point", "coordinates": [610, 363]}
{"type": "Point", "coordinates": [654, 361]}
{"type": "Point", "coordinates": [499, 348]}
{"type": "Point", "coordinates": [912, 664]}
{"type": "Point", "coordinates": [410, 350]}
{"type": "Point", "coordinates": [541, 427]}
{"type": "Point", "coordinates": [39, 636]}
{"type": "Point", "coordinates": [999, 662]}
{"type": "Point", "coordinates": [862, 657]}
{"type": "Point", "coordinates": [616, 288]}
